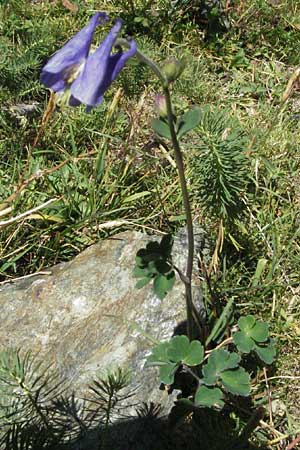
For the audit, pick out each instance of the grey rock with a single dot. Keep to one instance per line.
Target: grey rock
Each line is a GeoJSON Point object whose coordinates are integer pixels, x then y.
{"type": "Point", "coordinates": [87, 317]}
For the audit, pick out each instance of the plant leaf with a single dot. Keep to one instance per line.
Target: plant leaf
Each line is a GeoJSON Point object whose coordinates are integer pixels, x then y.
{"type": "Point", "coordinates": [167, 372]}
{"type": "Point", "coordinates": [142, 282]}
{"type": "Point", "coordinates": [245, 323]}
{"type": "Point", "coordinates": [261, 264]}
{"type": "Point", "coordinates": [252, 332]}
{"type": "Point", "coordinates": [266, 353]}
{"type": "Point", "coordinates": [224, 359]}
{"type": "Point", "coordinates": [178, 348]}
{"type": "Point", "coordinates": [161, 128]}
{"type": "Point", "coordinates": [260, 331]}
{"type": "Point", "coordinates": [244, 343]}
{"type": "Point", "coordinates": [210, 375]}
{"type": "Point", "coordinates": [206, 396]}
{"type": "Point", "coordinates": [188, 121]}
{"type": "Point", "coordinates": [236, 381]}
{"type": "Point", "coordinates": [158, 356]}
{"type": "Point", "coordinates": [218, 361]}
{"type": "Point", "coordinates": [195, 354]}
{"type": "Point", "coordinates": [163, 283]}
{"type": "Point", "coordinates": [139, 272]}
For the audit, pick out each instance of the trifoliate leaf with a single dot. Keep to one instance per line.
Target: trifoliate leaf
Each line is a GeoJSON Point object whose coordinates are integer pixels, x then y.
{"type": "Point", "coordinates": [181, 350]}
{"type": "Point", "coordinates": [236, 381]}
{"type": "Point", "coordinates": [208, 396]}
{"type": "Point", "coordinates": [256, 329]}
{"type": "Point", "coordinates": [252, 332]}
{"type": "Point", "coordinates": [154, 262]}
{"type": "Point", "coordinates": [223, 359]}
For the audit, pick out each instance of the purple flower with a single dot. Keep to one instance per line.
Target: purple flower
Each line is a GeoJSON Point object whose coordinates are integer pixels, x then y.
{"type": "Point", "coordinates": [87, 74]}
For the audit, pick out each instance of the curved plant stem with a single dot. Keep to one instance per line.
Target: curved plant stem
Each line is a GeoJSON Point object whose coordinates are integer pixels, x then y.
{"type": "Point", "coordinates": [144, 59]}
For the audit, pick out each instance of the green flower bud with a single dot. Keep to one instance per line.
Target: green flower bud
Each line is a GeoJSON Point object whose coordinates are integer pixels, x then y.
{"type": "Point", "coordinates": [173, 68]}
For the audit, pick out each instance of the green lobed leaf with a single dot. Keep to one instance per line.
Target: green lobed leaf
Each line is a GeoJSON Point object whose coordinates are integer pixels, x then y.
{"type": "Point", "coordinates": [252, 332]}
{"type": "Point", "coordinates": [163, 283]}
{"type": "Point", "coordinates": [188, 121]}
{"type": "Point", "coordinates": [260, 331]}
{"type": "Point", "coordinates": [243, 342]}
{"type": "Point", "coordinates": [210, 375]}
{"type": "Point", "coordinates": [158, 356]}
{"type": "Point", "coordinates": [161, 128]}
{"type": "Point", "coordinates": [223, 359]}
{"type": "Point", "coordinates": [206, 396]}
{"type": "Point", "coordinates": [266, 353]}
{"type": "Point", "coordinates": [195, 354]}
{"type": "Point", "coordinates": [245, 323]}
{"type": "Point", "coordinates": [236, 381]}
{"type": "Point", "coordinates": [218, 361]}
{"type": "Point", "coordinates": [154, 263]}
{"type": "Point", "coordinates": [178, 348]}
{"type": "Point", "coordinates": [167, 372]}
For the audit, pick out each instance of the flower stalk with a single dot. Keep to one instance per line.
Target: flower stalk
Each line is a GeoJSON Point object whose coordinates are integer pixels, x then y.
{"type": "Point", "coordinates": [193, 319]}
{"type": "Point", "coordinates": [189, 220]}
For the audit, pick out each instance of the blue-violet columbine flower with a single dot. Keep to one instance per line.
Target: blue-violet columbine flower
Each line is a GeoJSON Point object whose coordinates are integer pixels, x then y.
{"type": "Point", "coordinates": [85, 74]}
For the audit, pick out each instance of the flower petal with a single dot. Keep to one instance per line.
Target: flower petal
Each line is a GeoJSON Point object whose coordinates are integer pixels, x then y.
{"type": "Point", "coordinates": [101, 69]}
{"type": "Point", "coordinates": [69, 58]}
